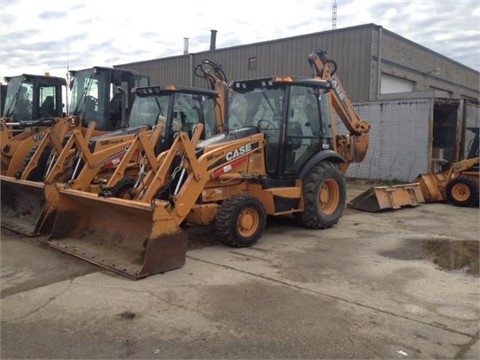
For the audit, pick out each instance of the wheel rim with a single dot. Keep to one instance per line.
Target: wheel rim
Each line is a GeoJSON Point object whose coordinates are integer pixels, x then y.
{"type": "Point", "coordinates": [461, 192]}
{"type": "Point", "coordinates": [248, 222]}
{"type": "Point", "coordinates": [329, 196]}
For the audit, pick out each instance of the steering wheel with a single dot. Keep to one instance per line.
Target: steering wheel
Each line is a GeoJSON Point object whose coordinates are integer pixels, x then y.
{"type": "Point", "coordinates": [89, 99]}
{"type": "Point", "coordinates": [267, 125]}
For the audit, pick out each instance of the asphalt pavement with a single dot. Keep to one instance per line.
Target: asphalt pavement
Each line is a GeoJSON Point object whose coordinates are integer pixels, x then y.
{"type": "Point", "coordinates": [392, 285]}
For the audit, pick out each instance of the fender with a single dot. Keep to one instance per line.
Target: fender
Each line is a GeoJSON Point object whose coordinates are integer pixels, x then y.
{"type": "Point", "coordinates": [325, 155]}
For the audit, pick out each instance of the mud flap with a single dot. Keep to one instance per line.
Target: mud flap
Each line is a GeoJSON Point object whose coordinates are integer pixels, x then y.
{"type": "Point", "coordinates": [379, 198]}
{"type": "Point", "coordinates": [131, 238]}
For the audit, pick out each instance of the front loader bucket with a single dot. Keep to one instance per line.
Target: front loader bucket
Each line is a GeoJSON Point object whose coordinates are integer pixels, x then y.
{"type": "Point", "coordinates": [25, 206]}
{"type": "Point", "coordinates": [379, 198]}
{"type": "Point", "coordinates": [131, 238]}
{"type": "Point", "coordinates": [433, 186]}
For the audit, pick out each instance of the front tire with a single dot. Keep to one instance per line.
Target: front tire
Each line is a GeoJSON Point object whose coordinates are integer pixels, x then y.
{"type": "Point", "coordinates": [38, 173]}
{"type": "Point", "coordinates": [324, 196]}
{"type": "Point", "coordinates": [240, 221]}
{"type": "Point", "coordinates": [463, 191]}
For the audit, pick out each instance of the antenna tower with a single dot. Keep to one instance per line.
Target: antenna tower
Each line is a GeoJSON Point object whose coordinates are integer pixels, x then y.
{"type": "Point", "coordinates": [334, 14]}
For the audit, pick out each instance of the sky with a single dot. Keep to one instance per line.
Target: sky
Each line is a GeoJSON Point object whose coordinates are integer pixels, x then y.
{"type": "Point", "coordinates": [56, 35]}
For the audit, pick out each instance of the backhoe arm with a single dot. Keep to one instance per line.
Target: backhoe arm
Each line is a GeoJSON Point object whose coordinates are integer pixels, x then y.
{"type": "Point", "coordinates": [354, 147]}
{"type": "Point", "coordinates": [217, 80]}
{"type": "Point", "coordinates": [326, 70]}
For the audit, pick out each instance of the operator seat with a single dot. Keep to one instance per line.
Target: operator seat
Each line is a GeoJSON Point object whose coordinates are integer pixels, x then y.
{"type": "Point", "coordinates": [48, 106]}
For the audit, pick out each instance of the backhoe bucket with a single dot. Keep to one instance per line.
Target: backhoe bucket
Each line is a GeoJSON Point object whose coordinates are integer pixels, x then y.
{"type": "Point", "coordinates": [379, 198]}
{"type": "Point", "coordinates": [433, 186]}
{"type": "Point", "coordinates": [25, 206]}
{"type": "Point", "coordinates": [131, 238]}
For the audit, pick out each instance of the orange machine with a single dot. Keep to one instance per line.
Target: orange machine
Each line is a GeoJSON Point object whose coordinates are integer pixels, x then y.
{"type": "Point", "coordinates": [277, 158]}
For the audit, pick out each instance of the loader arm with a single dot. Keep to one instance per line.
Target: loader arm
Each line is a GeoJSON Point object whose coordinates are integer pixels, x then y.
{"type": "Point", "coordinates": [463, 165]}
{"type": "Point", "coordinates": [60, 163]}
{"type": "Point", "coordinates": [196, 171]}
{"type": "Point", "coordinates": [156, 179]}
{"type": "Point", "coordinates": [54, 137]}
{"type": "Point", "coordinates": [202, 170]}
{"type": "Point", "coordinates": [144, 143]}
{"type": "Point", "coordinates": [95, 161]}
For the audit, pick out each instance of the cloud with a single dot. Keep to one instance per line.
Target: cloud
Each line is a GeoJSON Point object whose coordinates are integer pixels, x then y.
{"type": "Point", "coordinates": [39, 36]}
{"type": "Point", "coordinates": [52, 15]}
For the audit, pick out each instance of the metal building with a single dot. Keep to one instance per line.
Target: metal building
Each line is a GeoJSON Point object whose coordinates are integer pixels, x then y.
{"type": "Point", "coordinates": [380, 70]}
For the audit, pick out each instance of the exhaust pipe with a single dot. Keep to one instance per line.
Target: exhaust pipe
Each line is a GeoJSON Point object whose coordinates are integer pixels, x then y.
{"type": "Point", "coordinates": [213, 39]}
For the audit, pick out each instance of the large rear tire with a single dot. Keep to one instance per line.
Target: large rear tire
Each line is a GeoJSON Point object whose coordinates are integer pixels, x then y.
{"type": "Point", "coordinates": [240, 221]}
{"type": "Point", "coordinates": [463, 191]}
{"type": "Point", "coordinates": [324, 196]}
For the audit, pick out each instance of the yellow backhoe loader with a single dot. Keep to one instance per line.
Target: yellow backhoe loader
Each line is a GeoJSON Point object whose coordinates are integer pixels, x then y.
{"type": "Point", "coordinates": [277, 158]}
{"type": "Point", "coordinates": [98, 94]}
{"type": "Point", "coordinates": [459, 185]}
{"type": "Point", "coordinates": [86, 163]}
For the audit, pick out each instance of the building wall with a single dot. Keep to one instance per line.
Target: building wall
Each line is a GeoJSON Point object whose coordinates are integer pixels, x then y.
{"type": "Point", "coordinates": [350, 48]}
{"type": "Point", "coordinates": [362, 53]}
{"type": "Point", "coordinates": [398, 148]}
{"type": "Point", "coordinates": [427, 69]}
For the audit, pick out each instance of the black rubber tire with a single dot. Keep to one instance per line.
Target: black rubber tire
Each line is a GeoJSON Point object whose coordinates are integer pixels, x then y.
{"type": "Point", "coordinates": [228, 221]}
{"type": "Point", "coordinates": [324, 196]}
{"type": "Point", "coordinates": [122, 188]}
{"type": "Point", "coordinates": [463, 191]}
{"type": "Point", "coordinates": [38, 173]}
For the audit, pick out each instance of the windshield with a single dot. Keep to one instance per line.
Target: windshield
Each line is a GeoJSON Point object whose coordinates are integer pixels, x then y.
{"type": "Point", "coordinates": [148, 110]}
{"type": "Point", "coordinates": [19, 99]}
{"type": "Point", "coordinates": [190, 109]}
{"type": "Point", "coordinates": [141, 81]}
{"type": "Point", "coordinates": [187, 111]}
{"type": "Point", "coordinates": [87, 94]}
{"type": "Point", "coordinates": [250, 108]}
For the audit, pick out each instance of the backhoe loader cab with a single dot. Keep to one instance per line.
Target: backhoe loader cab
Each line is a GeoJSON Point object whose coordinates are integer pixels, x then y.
{"type": "Point", "coordinates": [294, 115]}
{"type": "Point", "coordinates": [103, 95]}
{"type": "Point", "coordinates": [30, 97]}
{"type": "Point", "coordinates": [473, 148]}
{"type": "Point", "coordinates": [31, 103]}
{"type": "Point", "coordinates": [184, 106]}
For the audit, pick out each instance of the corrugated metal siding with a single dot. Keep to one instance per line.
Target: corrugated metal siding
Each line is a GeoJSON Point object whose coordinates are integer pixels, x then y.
{"type": "Point", "coordinates": [175, 70]}
{"type": "Point", "coordinates": [350, 48]}
{"type": "Point", "coordinates": [399, 146]}
{"type": "Point", "coordinates": [472, 119]}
